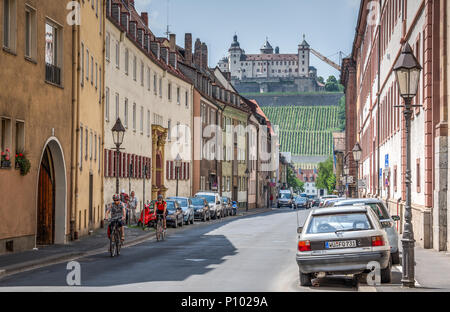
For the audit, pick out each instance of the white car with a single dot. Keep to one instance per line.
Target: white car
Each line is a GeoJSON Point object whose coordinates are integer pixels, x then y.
{"type": "Point", "coordinates": [214, 201]}
{"type": "Point", "coordinates": [342, 240]}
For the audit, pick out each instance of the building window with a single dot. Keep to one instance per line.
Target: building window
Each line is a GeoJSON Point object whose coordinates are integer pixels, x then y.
{"type": "Point", "coordinates": [107, 46]}
{"type": "Point", "coordinates": [6, 134]}
{"type": "Point", "coordinates": [148, 79]}
{"type": "Point", "coordinates": [52, 53]}
{"type": "Point", "coordinates": [82, 64]}
{"type": "Point", "coordinates": [117, 55]}
{"type": "Point", "coordinates": [148, 122]}
{"type": "Point", "coordinates": [81, 148]}
{"type": "Point", "coordinates": [160, 87]}
{"type": "Point", "coordinates": [155, 82]}
{"type": "Point", "coordinates": [20, 137]}
{"type": "Point", "coordinates": [134, 116]}
{"type": "Point", "coordinates": [142, 120]}
{"type": "Point", "coordinates": [418, 175]}
{"type": "Point", "coordinates": [86, 145]}
{"type": "Point", "coordinates": [127, 62]}
{"type": "Point", "coordinates": [169, 91]}
{"type": "Point", "coordinates": [178, 95]}
{"type": "Point", "coordinates": [125, 120]}
{"type": "Point", "coordinates": [87, 64]}
{"type": "Point", "coordinates": [92, 70]}
{"type": "Point", "coordinates": [9, 24]}
{"type": "Point", "coordinates": [96, 75]}
{"type": "Point", "coordinates": [30, 33]}
{"type": "Point", "coordinates": [169, 130]}
{"type": "Point", "coordinates": [142, 74]}
{"type": "Point", "coordinates": [134, 67]}
{"type": "Point", "coordinates": [107, 104]}
{"type": "Point", "coordinates": [117, 106]}
{"type": "Point", "coordinates": [187, 99]}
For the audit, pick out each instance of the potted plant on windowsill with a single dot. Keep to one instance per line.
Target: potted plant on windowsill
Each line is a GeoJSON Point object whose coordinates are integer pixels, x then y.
{"type": "Point", "coordinates": [23, 164]}
{"type": "Point", "coordinates": [5, 159]}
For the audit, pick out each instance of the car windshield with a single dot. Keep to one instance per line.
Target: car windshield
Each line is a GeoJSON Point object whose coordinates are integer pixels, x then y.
{"type": "Point", "coordinates": [197, 201]}
{"type": "Point", "coordinates": [344, 222]}
{"type": "Point", "coordinates": [225, 200]}
{"type": "Point", "coordinates": [300, 199]}
{"type": "Point", "coordinates": [285, 196]}
{"type": "Point", "coordinates": [170, 205]}
{"type": "Point", "coordinates": [209, 198]}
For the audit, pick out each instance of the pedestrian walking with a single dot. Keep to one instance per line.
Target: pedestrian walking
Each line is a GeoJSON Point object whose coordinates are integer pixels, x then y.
{"type": "Point", "coordinates": [132, 205]}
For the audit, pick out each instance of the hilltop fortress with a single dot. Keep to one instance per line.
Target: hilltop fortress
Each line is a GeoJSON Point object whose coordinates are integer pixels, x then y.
{"type": "Point", "coordinates": [270, 71]}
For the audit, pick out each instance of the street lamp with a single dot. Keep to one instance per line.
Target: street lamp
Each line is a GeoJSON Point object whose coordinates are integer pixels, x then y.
{"type": "Point", "coordinates": [407, 71]}
{"type": "Point", "coordinates": [357, 153]}
{"type": "Point", "coordinates": [118, 132]}
{"type": "Point", "coordinates": [178, 161]}
{"type": "Point", "coordinates": [247, 175]}
{"type": "Point", "coordinates": [346, 173]}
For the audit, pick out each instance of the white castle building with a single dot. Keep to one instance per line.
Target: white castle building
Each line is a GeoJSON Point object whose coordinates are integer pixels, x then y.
{"type": "Point", "coordinates": [268, 63]}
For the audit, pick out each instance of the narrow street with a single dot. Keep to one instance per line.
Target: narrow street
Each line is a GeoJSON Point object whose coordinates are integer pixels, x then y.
{"type": "Point", "coordinates": [254, 253]}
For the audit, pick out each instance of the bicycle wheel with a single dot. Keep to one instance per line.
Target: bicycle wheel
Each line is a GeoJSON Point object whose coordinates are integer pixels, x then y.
{"type": "Point", "coordinates": [158, 231]}
{"type": "Point", "coordinates": [118, 243]}
{"type": "Point", "coordinates": [112, 245]}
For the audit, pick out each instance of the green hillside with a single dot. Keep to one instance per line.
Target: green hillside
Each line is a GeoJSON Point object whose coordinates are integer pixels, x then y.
{"type": "Point", "coordinates": [305, 130]}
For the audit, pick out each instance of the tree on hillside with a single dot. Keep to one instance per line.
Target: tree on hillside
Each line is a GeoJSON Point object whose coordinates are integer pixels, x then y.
{"type": "Point", "coordinates": [294, 182]}
{"type": "Point", "coordinates": [321, 80]}
{"type": "Point", "coordinates": [326, 178]}
{"type": "Point", "coordinates": [333, 85]}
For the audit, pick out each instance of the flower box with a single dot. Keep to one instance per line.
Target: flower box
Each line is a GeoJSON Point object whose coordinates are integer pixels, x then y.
{"type": "Point", "coordinates": [6, 164]}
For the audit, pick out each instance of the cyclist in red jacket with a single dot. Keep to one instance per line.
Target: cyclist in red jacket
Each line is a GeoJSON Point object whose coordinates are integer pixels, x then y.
{"type": "Point", "coordinates": [161, 209]}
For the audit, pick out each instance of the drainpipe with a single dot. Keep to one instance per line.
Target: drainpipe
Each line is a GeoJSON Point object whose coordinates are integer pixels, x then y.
{"type": "Point", "coordinates": [102, 103]}
{"type": "Point", "coordinates": [378, 101]}
{"type": "Point", "coordinates": [75, 125]}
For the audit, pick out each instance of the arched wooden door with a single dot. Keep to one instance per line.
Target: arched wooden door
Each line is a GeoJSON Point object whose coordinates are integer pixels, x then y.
{"type": "Point", "coordinates": [159, 171]}
{"type": "Point", "coordinates": [46, 201]}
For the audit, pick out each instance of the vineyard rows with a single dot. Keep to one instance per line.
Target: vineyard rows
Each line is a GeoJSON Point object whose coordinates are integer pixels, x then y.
{"type": "Point", "coordinates": [305, 130]}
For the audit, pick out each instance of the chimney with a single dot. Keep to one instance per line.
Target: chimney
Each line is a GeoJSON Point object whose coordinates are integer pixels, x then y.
{"type": "Point", "coordinates": [124, 20]}
{"type": "Point", "coordinates": [204, 56]}
{"type": "Point", "coordinates": [144, 16]}
{"type": "Point", "coordinates": [188, 49]}
{"type": "Point", "coordinates": [173, 42]}
{"type": "Point", "coordinates": [154, 47]}
{"type": "Point", "coordinates": [198, 53]}
{"type": "Point", "coordinates": [173, 59]}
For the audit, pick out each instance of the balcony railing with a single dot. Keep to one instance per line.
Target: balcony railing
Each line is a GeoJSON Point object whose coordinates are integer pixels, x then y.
{"type": "Point", "coordinates": [52, 74]}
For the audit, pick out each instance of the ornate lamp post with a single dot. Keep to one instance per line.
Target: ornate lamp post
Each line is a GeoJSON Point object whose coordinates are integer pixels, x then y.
{"type": "Point", "coordinates": [178, 161]}
{"type": "Point", "coordinates": [346, 173]}
{"type": "Point", "coordinates": [247, 175]}
{"type": "Point", "coordinates": [357, 153]}
{"type": "Point", "coordinates": [407, 71]}
{"type": "Point", "coordinates": [118, 132]}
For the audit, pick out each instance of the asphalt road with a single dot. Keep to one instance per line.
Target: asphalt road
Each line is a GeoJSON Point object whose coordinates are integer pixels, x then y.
{"type": "Point", "coordinates": [247, 254]}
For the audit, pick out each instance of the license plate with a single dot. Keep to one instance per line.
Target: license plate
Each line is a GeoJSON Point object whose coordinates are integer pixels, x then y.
{"type": "Point", "coordinates": [341, 244]}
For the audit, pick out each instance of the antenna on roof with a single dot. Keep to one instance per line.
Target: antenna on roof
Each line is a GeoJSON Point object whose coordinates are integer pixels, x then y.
{"type": "Point", "coordinates": [168, 26]}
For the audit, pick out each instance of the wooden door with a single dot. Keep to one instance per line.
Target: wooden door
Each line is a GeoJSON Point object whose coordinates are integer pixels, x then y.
{"type": "Point", "coordinates": [91, 199]}
{"type": "Point", "coordinates": [46, 202]}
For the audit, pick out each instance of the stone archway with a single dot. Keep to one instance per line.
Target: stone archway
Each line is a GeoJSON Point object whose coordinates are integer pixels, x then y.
{"type": "Point", "coordinates": [51, 196]}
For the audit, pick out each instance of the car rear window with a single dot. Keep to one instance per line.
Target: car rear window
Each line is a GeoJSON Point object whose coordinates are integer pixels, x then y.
{"type": "Point", "coordinates": [182, 201]}
{"type": "Point", "coordinates": [209, 198]}
{"type": "Point", "coordinates": [197, 201]}
{"type": "Point", "coordinates": [339, 222]}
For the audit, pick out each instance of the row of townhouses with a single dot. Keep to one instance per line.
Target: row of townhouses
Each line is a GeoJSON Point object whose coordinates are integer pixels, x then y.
{"type": "Point", "coordinates": [70, 71]}
{"type": "Point", "coordinates": [373, 100]}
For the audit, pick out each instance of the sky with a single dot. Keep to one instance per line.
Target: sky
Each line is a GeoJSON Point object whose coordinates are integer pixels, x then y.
{"type": "Point", "coordinates": [329, 25]}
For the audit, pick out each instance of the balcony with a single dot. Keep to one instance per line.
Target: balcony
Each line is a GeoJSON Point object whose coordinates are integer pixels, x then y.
{"type": "Point", "coordinates": [52, 74]}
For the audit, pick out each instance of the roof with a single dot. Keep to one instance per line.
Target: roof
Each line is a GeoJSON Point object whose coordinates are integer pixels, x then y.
{"type": "Point", "coordinates": [337, 210]}
{"type": "Point", "coordinates": [259, 111]}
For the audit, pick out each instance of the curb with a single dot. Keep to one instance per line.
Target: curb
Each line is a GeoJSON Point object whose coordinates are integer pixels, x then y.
{"type": "Point", "coordinates": [32, 265]}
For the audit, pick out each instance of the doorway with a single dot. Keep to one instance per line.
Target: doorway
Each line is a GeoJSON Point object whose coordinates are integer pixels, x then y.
{"type": "Point", "coordinates": [46, 201]}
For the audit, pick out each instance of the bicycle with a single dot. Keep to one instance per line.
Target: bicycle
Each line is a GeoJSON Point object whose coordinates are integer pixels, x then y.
{"type": "Point", "coordinates": [115, 238]}
{"type": "Point", "coordinates": [160, 231]}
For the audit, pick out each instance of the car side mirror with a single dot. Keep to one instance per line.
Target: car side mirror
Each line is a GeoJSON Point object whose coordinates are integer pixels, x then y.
{"type": "Point", "coordinates": [396, 218]}
{"type": "Point", "coordinates": [299, 230]}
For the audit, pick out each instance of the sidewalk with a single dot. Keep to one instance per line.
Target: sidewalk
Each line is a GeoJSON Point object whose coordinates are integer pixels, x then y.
{"type": "Point", "coordinates": [95, 243]}
{"type": "Point", "coordinates": [432, 273]}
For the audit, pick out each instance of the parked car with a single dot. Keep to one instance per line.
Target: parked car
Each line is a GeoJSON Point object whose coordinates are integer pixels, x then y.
{"type": "Point", "coordinates": [310, 200]}
{"type": "Point", "coordinates": [201, 209]}
{"type": "Point", "coordinates": [301, 202]}
{"type": "Point", "coordinates": [342, 241]}
{"type": "Point", "coordinates": [285, 199]}
{"type": "Point", "coordinates": [387, 221]}
{"type": "Point", "coordinates": [332, 202]}
{"type": "Point", "coordinates": [315, 202]}
{"type": "Point", "coordinates": [215, 203]}
{"type": "Point", "coordinates": [227, 206]}
{"type": "Point", "coordinates": [323, 198]}
{"type": "Point", "coordinates": [174, 213]}
{"type": "Point", "coordinates": [188, 211]}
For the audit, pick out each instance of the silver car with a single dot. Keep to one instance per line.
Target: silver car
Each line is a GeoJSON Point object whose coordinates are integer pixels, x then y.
{"type": "Point", "coordinates": [342, 241]}
{"type": "Point", "coordinates": [386, 220]}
